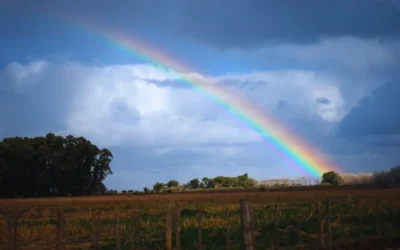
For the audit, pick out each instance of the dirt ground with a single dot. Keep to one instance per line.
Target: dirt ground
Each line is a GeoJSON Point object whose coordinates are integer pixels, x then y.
{"type": "Point", "coordinates": [200, 198]}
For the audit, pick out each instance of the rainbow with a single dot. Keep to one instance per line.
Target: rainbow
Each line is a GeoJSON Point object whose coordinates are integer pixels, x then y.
{"type": "Point", "coordinates": [302, 155]}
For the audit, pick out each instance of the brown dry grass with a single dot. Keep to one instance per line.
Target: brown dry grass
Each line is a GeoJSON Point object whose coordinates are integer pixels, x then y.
{"type": "Point", "coordinates": [155, 200]}
{"type": "Point", "coordinates": [38, 229]}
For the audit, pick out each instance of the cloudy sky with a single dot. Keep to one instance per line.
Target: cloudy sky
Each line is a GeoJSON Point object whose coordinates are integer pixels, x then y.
{"type": "Point", "coordinates": [328, 71]}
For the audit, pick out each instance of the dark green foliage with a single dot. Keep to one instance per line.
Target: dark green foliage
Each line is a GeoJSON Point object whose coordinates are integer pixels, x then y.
{"type": "Point", "coordinates": [386, 177]}
{"type": "Point", "coordinates": [332, 178]}
{"type": "Point", "coordinates": [239, 181]}
{"type": "Point", "coordinates": [158, 186]}
{"type": "Point", "coordinates": [172, 183]}
{"type": "Point", "coordinates": [195, 183]}
{"type": "Point", "coordinates": [208, 183]}
{"type": "Point", "coordinates": [52, 166]}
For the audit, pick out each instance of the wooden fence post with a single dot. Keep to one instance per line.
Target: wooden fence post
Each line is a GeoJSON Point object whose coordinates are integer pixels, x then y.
{"type": "Point", "coordinates": [227, 229]}
{"type": "Point", "coordinates": [168, 231]}
{"type": "Point", "coordinates": [96, 229]}
{"type": "Point", "coordinates": [17, 215]}
{"type": "Point", "coordinates": [298, 231]}
{"type": "Point", "coordinates": [9, 230]}
{"type": "Point", "coordinates": [247, 225]}
{"type": "Point", "coordinates": [117, 231]}
{"type": "Point", "coordinates": [178, 227]}
{"type": "Point", "coordinates": [360, 218]}
{"type": "Point", "coordinates": [329, 224]}
{"type": "Point", "coordinates": [393, 212]}
{"type": "Point", "coordinates": [133, 230]}
{"type": "Point", "coordinates": [277, 238]}
{"type": "Point", "coordinates": [378, 222]}
{"type": "Point", "coordinates": [321, 225]}
{"type": "Point", "coordinates": [342, 217]}
{"type": "Point", "coordinates": [199, 236]}
{"type": "Point", "coordinates": [60, 229]}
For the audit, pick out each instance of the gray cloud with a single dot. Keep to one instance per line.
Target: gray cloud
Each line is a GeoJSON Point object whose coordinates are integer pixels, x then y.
{"type": "Point", "coordinates": [120, 110]}
{"type": "Point", "coordinates": [378, 114]}
{"type": "Point", "coordinates": [323, 100]}
{"type": "Point", "coordinates": [229, 23]}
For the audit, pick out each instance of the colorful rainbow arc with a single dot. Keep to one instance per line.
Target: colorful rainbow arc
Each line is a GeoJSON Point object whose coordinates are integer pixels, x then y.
{"type": "Point", "coordinates": [275, 133]}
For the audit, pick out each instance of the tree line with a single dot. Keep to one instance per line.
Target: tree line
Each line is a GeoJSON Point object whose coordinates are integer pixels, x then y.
{"type": "Point", "coordinates": [72, 166]}
{"type": "Point", "coordinates": [330, 178]}
{"type": "Point", "coordinates": [241, 181]}
{"type": "Point", "coordinates": [52, 166]}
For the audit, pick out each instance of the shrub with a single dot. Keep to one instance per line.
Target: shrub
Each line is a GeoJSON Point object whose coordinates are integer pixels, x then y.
{"type": "Point", "coordinates": [333, 178]}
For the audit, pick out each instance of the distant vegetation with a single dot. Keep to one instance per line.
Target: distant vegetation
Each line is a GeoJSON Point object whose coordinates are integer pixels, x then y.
{"type": "Point", "coordinates": [69, 166]}
{"type": "Point", "coordinates": [245, 182]}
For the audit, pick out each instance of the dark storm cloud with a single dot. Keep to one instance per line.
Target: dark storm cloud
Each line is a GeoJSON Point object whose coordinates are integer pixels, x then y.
{"type": "Point", "coordinates": [378, 114]}
{"type": "Point", "coordinates": [229, 23]}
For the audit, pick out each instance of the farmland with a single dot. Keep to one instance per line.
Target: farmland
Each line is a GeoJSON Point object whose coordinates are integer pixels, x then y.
{"type": "Point", "coordinates": [290, 219]}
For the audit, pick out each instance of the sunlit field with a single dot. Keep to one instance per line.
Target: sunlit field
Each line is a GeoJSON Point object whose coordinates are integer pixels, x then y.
{"type": "Point", "coordinates": [292, 217]}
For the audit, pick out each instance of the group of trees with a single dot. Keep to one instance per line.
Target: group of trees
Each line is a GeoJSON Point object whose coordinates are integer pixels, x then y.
{"type": "Point", "coordinates": [62, 166]}
{"type": "Point", "coordinates": [387, 177]}
{"type": "Point", "coordinates": [52, 166]}
{"type": "Point", "coordinates": [241, 181]}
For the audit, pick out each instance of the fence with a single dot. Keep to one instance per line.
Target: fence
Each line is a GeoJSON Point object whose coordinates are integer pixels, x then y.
{"type": "Point", "coordinates": [247, 222]}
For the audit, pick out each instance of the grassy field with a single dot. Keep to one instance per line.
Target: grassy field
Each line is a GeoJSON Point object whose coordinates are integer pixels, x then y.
{"type": "Point", "coordinates": [354, 213]}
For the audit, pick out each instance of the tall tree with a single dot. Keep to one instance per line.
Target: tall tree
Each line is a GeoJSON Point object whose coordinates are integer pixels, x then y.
{"type": "Point", "coordinates": [52, 166]}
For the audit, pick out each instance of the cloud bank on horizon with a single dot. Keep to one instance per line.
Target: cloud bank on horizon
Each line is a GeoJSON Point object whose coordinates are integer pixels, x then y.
{"type": "Point", "coordinates": [328, 73]}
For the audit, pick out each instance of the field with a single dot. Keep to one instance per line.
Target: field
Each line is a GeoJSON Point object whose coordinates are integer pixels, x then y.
{"type": "Point", "coordinates": [291, 219]}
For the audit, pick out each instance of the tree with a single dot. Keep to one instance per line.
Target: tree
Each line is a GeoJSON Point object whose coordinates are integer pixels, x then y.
{"type": "Point", "coordinates": [251, 183]}
{"type": "Point", "coordinates": [208, 182]}
{"type": "Point", "coordinates": [146, 190]}
{"type": "Point", "coordinates": [211, 183]}
{"type": "Point", "coordinates": [395, 174]}
{"type": "Point", "coordinates": [242, 181]}
{"type": "Point", "coordinates": [205, 181]}
{"type": "Point", "coordinates": [333, 178]}
{"type": "Point", "coordinates": [52, 166]}
{"type": "Point", "coordinates": [158, 186]}
{"type": "Point", "coordinates": [195, 183]}
{"type": "Point", "coordinates": [172, 183]}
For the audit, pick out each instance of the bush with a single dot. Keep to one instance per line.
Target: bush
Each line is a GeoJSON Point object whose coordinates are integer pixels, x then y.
{"type": "Point", "coordinates": [333, 178]}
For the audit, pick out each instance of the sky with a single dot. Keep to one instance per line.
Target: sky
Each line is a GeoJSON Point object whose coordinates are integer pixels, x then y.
{"type": "Point", "coordinates": [328, 71]}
